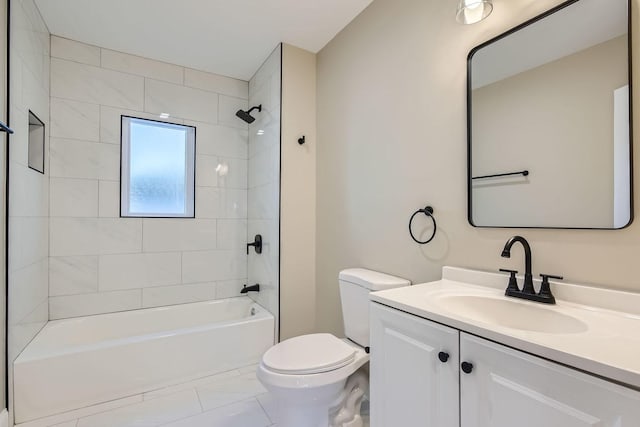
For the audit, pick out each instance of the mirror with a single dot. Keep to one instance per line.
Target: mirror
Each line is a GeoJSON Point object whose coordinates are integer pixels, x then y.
{"type": "Point", "coordinates": [548, 121]}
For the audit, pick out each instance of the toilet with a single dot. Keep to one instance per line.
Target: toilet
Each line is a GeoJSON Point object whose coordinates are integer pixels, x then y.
{"type": "Point", "coordinates": [319, 380]}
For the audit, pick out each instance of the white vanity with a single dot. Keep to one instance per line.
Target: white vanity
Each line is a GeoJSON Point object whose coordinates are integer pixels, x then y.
{"type": "Point", "coordinates": [457, 352]}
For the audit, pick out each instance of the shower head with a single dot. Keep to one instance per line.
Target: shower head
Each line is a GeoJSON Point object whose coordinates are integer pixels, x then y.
{"type": "Point", "coordinates": [246, 115]}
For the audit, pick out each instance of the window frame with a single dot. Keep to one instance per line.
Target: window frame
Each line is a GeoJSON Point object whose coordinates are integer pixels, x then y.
{"type": "Point", "coordinates": [125, 169]}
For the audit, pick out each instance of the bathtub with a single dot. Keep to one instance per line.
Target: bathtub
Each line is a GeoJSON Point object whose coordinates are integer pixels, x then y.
{"type": "Point", "coordinates": [75, 363]}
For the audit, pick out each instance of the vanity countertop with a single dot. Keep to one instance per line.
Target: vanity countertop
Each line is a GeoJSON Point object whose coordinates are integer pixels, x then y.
{"type": "Point", "coordinates": [602, 338]}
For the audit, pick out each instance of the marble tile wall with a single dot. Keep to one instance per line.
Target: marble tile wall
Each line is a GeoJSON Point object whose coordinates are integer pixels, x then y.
{"type": "Point", "coordinates": [264, 182]}
{"type": "Point", "coordinates": [28, 197]}
{"type": "Point", "coordinates": [28, 189]}
{"type": "Point", "coordinates": [102, 263]}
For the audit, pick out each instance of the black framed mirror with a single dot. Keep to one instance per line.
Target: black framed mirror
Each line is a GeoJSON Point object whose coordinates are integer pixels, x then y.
{"type": "Point", "coordinates": [549, 121]}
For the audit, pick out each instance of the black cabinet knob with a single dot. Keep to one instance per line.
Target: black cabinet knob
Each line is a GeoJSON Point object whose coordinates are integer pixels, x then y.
{"type": "Point", "coordinates": [466, 367]}
{"type": "Point", "coordinates": [443, 356]}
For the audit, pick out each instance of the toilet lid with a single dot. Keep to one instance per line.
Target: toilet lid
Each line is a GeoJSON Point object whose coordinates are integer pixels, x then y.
{"type": "Point", "coordinates": [309, 354]}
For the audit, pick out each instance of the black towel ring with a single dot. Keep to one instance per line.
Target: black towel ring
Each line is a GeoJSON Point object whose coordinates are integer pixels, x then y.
{"type": "Point", "coordinates": [428, 211]}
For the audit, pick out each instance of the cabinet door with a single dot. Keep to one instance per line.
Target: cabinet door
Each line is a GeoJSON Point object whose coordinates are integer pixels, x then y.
{"type": "Point", "coordinates": [410, 385]}
{"type": "Point", "coordinates": [508, 388]}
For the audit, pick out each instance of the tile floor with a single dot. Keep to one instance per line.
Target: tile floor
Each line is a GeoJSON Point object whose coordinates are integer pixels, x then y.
{"type": "Point", "coordinates": [231, 399]}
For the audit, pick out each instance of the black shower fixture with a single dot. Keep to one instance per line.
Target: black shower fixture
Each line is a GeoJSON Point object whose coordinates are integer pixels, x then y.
{"type": "Point", "coordinates": [246, 115]}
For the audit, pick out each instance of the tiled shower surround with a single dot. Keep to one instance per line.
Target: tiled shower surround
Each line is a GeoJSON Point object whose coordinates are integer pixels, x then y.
{"type": "Point", "coordinates": [29, 189]}
{"type": "Point", "coordinates": [102, 263]}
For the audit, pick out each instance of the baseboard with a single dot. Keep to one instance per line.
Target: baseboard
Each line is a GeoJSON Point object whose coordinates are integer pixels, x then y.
{"type": "Point", "coordinates": [4, 418]}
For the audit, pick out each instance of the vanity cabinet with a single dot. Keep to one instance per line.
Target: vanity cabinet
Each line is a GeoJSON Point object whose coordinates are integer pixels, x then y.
{"type": "Point", "coordinates": [508, 388]}
{"type": "Point", "coordinates": [498, 387]}
{"type": "Point", "coordinates": [414, 371]}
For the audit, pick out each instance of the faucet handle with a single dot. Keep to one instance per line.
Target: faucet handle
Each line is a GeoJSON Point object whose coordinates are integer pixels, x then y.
{"type": "Point", "coordinates": [545, 289]}
{"type": "Point", "coordinates": [513, 283]}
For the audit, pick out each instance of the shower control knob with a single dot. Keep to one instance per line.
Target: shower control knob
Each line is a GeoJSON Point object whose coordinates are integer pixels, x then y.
{"type": "Point", "coordinates": [466, 367]}
{"type": "Point", "coordinates": [444, 357]}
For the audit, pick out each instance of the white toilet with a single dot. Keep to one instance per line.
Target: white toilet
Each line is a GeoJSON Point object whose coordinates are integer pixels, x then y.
{"type": "Point", "coordinates": [319, 380]}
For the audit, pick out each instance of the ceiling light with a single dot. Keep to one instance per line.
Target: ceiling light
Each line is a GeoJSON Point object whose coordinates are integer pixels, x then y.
{"type": "Point", "coordinates": [472, 11]}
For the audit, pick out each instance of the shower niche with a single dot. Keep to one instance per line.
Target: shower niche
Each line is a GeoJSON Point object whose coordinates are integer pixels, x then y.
{"type": "Point", "coordinates": [36, 143]}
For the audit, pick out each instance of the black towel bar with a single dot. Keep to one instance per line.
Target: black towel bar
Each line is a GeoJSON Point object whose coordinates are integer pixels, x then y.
{"type": "Point", "coordinates": [523, 173]}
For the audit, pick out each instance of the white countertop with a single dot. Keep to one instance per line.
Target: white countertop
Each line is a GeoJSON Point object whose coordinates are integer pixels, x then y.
{"type": "Point", "coordinates": [609, 346]}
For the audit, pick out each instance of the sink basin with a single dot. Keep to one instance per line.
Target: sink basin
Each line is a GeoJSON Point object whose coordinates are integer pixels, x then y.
{"type": "Point", "coordinates": [513, 314]}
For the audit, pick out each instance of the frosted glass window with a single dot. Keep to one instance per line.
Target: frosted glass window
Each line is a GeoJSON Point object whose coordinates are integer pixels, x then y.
{"type": "Point", "coordinates": [157, 169]}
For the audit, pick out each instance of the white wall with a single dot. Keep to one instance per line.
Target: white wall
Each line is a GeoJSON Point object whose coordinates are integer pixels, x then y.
{"type": "Point", "coordinates": [298, 205]}
{"type": "Point", "coordinates": [101, 262]}
{"type": "Point", "coordinates": [28, 189]}
{"type": "Point", "coordinates": [264, 182]}
{"type": "Point", "coordinates": [392, 138]}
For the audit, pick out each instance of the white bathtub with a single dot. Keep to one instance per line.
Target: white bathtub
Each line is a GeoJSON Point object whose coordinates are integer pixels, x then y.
{"type": "Point", "coordinates": [74, 363]}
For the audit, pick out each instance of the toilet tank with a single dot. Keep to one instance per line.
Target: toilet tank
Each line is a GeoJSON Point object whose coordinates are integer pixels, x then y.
{"type": "Point", "coordinates": [355, 286]}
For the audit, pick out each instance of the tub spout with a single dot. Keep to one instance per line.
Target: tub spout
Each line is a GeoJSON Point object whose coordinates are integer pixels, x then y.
{"type": "Point", "coordinates": [252, 288]}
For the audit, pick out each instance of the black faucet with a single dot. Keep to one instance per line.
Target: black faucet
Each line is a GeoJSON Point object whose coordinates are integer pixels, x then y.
{"type": "Point", "coordinates": [252, 288]}
{"type": "Point", "coordinates": [528, 277]}
{"type": "Point", "coordinates": [527, 292]}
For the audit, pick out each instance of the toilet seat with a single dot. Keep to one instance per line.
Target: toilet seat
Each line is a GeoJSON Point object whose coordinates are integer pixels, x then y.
{"type": "Point", "coordinates": [309, 354]}
{"type": "Point", "coordinates": [310, 381]}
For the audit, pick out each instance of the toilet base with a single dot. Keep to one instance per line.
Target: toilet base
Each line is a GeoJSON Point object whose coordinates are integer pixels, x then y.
{"type": "Point", "coordinates": [347, 412]}
{"type": "Point", "coordinates": [307, 408]}
{"type": "Point", "coordinates": [333, 405]}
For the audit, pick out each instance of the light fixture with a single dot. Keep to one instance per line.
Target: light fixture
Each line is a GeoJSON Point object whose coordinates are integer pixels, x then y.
{"type": "Point", "coordinates": [472, 11]}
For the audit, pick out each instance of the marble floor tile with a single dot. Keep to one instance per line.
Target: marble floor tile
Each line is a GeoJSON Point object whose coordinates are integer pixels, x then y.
{"type": "Point", "coordinates": [247, 413]}
{"type": "Point", "coordinates": [72, 417]}
{"type": "Point", "coordinates": [251, 369]}
{"type": "Point", "coordinates": [230, 399]}
{"type": "Point", "coordinates": [269, 405]}
{"type": "Point", "coordinates": [149, 413]}
{"type": "Point", "coordinates": [228, 391]}
{"type": "Point", "coordinates": [191, 384]}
